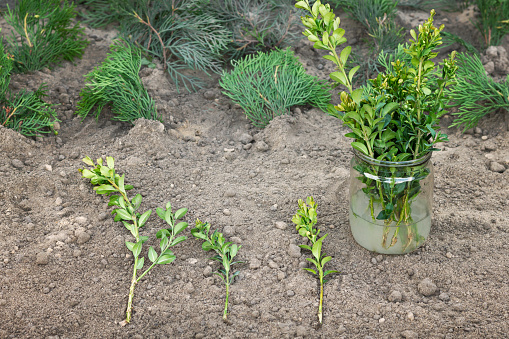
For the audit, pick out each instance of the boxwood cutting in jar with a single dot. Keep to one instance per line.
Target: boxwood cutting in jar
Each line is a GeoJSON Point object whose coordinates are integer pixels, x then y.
{"type": "Point", "coordinates": [394, 121]}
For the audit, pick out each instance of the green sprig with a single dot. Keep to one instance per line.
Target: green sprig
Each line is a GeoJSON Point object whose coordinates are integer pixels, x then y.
{"type": "Point", "coordinates": [225, 252]}
{"type": "Point", "coordinates": [117, 82]}
{"type": "Point", "coordinates": [107, 181]}
{"type": "Point", "coordinates": [306, 219]}
{"type": "Point", "coordinates": [47, 31]}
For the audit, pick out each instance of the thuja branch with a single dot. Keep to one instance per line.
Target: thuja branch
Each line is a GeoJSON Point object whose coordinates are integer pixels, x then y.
{"type": "Point", "coordinates": [306, 219]}
{"type": "Point", "coordinates": [106, 181]}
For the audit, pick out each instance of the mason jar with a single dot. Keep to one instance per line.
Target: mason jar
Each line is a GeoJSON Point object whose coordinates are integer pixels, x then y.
{"type": "Point", "coordinates": [390, 203]}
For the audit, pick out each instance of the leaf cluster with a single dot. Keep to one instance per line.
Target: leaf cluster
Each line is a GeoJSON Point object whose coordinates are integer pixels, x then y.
{"type": "Point", "coordinates": [269, 84]}
{"type": "Point", "coordinates": [25, 111]}
{"type": "Point", "coordinates": [225, 254]}
{"type": "Point", "coordinates": [117, 82]}
{"type": "Point", "coordinates": [225, 251]}
{"type": "Point", "coordinates": [305, 221]}
{"type": "Point", "coordinates": [475, 93]}
{"type": "Point", "coordinates": [48, 32]}
{"type": "Point", "coordinates": [107, 181]}
{"type": "Point", "coordinates": [399, 120]}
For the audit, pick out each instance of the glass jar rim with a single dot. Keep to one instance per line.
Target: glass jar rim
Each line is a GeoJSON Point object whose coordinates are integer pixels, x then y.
{"type": "Point", "coordinates": [408, 163]}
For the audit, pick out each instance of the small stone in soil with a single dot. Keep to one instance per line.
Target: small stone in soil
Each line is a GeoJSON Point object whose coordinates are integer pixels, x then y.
{"type": "Point", "coordinates": [261, 146]}
{"type": "Point", "coordinates": [426, 287]}
{"type": "Point", "coordinates": [408, 334]}
{"type": "Point", "coordinates": [228, 230]}
{"type": "Point", "coordinates": [395, 296]}
{"type": "Point", "coordinates": [227, 212]}
{"type": "Point", "coordinates": [497, 167]}
{"type": "Point", "coordinates": [444, 296]}
{"type": "Point", "coordinates": [254, 264]}
{"type": "Point", "coordinates": [290, 293]}
{"type": "Point", "coordinates": [281, 225]}
{"type": "Point", "coordinates": [207, 271]}
{"type": "Point", "coordinates": [17, 163]}
{"type": "Point", "coordinates": [294, 251]}
{"type": "Point", "coordinates": [42, 258]}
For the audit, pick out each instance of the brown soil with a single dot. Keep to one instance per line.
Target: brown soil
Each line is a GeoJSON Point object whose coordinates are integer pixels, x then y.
{"type": "Point", "coordinates": [65, 271]}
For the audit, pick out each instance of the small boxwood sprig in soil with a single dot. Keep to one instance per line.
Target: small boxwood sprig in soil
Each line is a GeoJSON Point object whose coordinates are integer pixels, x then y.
{"type": "Point", "coordinates": [24, 112]}
{"type": "Point", "coordinates": [117, 82]}
{"type": "Point", "coordinates": [106, 181]}
{"type": "Point", "coordinates": [306, 219]}
{"type": "Point", "coordinates": [267, 85]}
{"type": "Point", "coordinates": [475, 93]}
{"type": "Point", "coordinates": [225, 252]}
{"type": "Point", "coordinates": [48, 34]}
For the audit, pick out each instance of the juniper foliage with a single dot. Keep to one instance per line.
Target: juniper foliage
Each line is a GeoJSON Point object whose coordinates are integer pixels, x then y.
{"type": "Point", "coordinates": [256, 25]}
{"type": "Point", "coordinates": [48, 34]}
{"type": "Point", "coordinates": [267, 85]}
{"type": "Point", "coordinates": [476, 94]}
{"type": "Point", "coordinates": [24, 112]}
{"type": "Point", "coordinates": [117, 82]}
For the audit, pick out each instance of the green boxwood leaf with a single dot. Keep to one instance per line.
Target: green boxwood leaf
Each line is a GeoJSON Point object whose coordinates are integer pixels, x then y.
{"type": "Point", "coordinates": [165, 259]}
{"type": "Point", "coordinates": [180, 213]}
{"type": "Point", "coordinates": [130, 245]}
{"type": "Point", "coordinates": [144, 217]}
{"type": "Point", "coordinates": [141, 261]}
{"type": "Point", "coordinates": [88, 161]}
{"type": "Point", "coordinates": [310, 270]}
{"type": "Point", "coordinates": [180, 227]}
{"type": "Point", "coordinates": [137, 249]}
{"type": "Point", "coordinates": [152, 254]}
{"type": "Point", "coordinates": [360, 147]}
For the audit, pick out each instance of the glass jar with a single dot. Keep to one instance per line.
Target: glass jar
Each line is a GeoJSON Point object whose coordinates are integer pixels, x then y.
{"type": "Point", "coordinates": [390, 203]}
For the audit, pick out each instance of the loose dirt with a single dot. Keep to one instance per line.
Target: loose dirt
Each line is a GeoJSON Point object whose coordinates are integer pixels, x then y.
{"type": "Point", "coordinates": [65, 271]}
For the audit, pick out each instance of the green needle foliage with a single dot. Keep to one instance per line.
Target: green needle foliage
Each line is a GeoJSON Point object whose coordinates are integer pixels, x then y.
{"type": "Point", "coordinates": [100, 13]}
{"type": "Point", "coordinates": [378, 17]}
{"type": "Point", "coordinates": [493, 22]}
{"type": "Point", "coordinates": [106, 181]}
{"type": "Point", "coordinates": [256, 25]}
{"type": "Point", "coordinates": [269, 84]}
{"type": "Point", "coordinates": [225, 252]}
{"type": "Point", "coordinates": [24, 112]}
{"type": "Point", "coordinates": [306, 219]}
{"type": "Point", "coordinates": [182, 34]}
{"type": "Point", "coordinates": [117, 82]}
{"type": "Point", "coordinates": [396, 118]}
{"type": "Point", "coordinates": [475, 93]}
{"type": "Point", "coordinates": [48, 34]}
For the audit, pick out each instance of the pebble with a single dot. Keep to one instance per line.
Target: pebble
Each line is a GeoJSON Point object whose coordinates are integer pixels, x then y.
{"type": "Point", "coordinates": [290, 293]}
{"type": "Point", "coordinates": [444, 296]}
{"type": "Point", "coordinates": [56, 125]}
{"type": "Point", "coordinates": [76, 253]}
{"type": "Point", "coordinates": [230, 194]}
{"type": "Point", "coordinates": [17, 163]}
{"type": "Point", "coordinates": [273, 264]}
{"type": "Point", "coordinates": [81, 220]}
{"type": "Point", "coordinates": [255, 314]}
{"type": "Point", "coordinates": [281, 225]}
{"type": "Point", "coordinates": [3, 302]}
{"type": "Point", "coordinates": [410, 316]}
{"type": "Point", "coordinates": [409, 334]}
{"type": "Point", "coordinates": [82, 236]}
{"type": "Point", "coordinates": [261, 146]}
{"type": "Point", "coordinates": [58, 201]}
{"type": "Point", "coordinates": [189, 288]}
{"type": "Point", "coordinates": [245, 138]}
{"type": "Point", "coordinates": [426, 287]}
{"type": "Point", "coordinates": [484, 137]}
{"type": "Point", "coordinates": [42, 258]}
{"type": "Point", "coordinates": [381, 320]}
{"type": "Point", "coordinates": [497, 167]}
{"type": "Point", "coordinates": [478, 130]}
{"type": "Point", "coordinates": [373, 261]}
{"type": "Point", "coordinates": [228, 230]}
{"type": "Point", "coordinates": [294, 251]}
{"type": "Point", "coordinates": [209, 95]}
{"type": "Point", "coordinates": [254, 264]}
{"type": "Point", "coordinates": [48, 168]}
{"type": "Point", "coordinates": [449, 255]}
{"type": "Point", "coordinates": [281, 275]}
{"type": "Point", "coordinates": [395, 296]}
{"type": "Point", "coordinates": [207, 271]}
{"type": "Point", "coordinates": [227, 212]}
